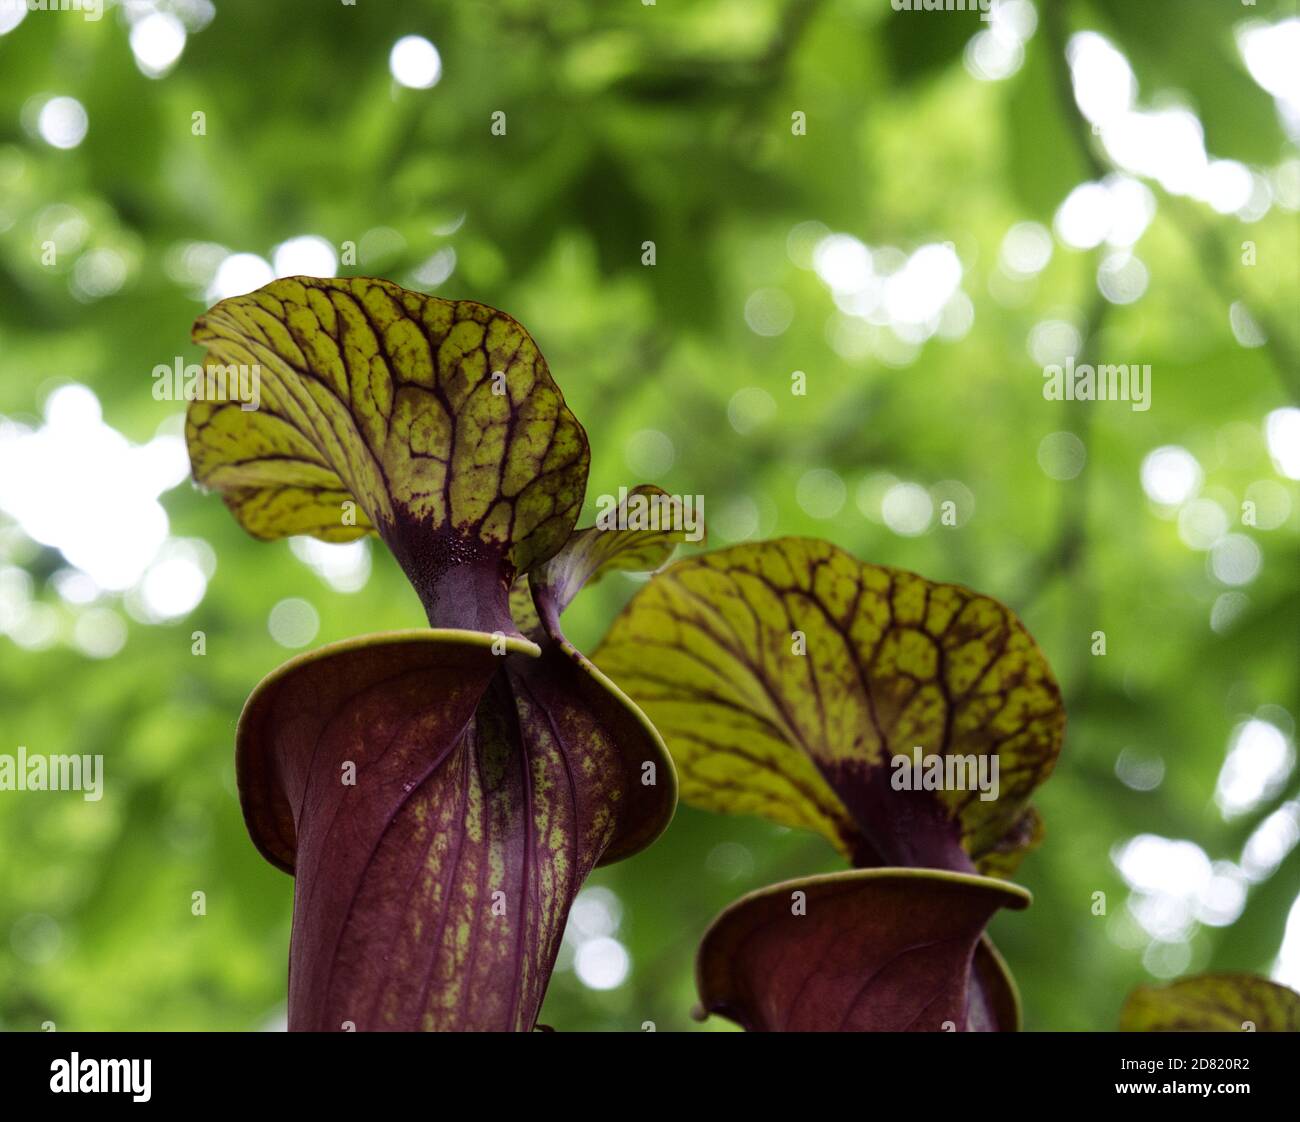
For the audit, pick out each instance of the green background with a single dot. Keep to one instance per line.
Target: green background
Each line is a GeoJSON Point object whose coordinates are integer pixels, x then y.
{"type": "Point", "coordinates": [668, 123]}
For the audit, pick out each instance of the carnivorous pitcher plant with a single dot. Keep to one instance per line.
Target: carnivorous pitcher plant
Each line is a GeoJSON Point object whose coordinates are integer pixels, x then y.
{"type": "Point", "coordinates": [440, 794]}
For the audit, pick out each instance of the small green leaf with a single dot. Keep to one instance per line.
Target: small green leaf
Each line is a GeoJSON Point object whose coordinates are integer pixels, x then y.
{"type": "Point", "coordinates": [434, 422]}
{"type": "Point", "coordinates": [788, 678]}
{"type": "Point", "coordinates": [1213, 1003]}
{"type": "Point", "coordinates": [638, 535]}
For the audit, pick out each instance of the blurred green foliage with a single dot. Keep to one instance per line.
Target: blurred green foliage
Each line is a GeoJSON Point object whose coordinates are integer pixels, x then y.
{"type": "Point", "coordinates": [671, 123]}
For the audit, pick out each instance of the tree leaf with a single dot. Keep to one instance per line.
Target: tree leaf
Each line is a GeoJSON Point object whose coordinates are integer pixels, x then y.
{"type": "Point", "coordinates": [1043, 160]}
{"type": "Point", "coordinates": [440, 807]}
{"type": "Point", "coordinates": [438, 418]}
{"type": "Point", "coordinates": [919, 46]}
{"type": "Point", "coordinates": [870, 950]}
{"type": "Point", "coordinates": [1213, 1003]}
{"type": "Point", "coordinates": [710, 649]}
{"type": "Point", "coordinates": [586, 557]}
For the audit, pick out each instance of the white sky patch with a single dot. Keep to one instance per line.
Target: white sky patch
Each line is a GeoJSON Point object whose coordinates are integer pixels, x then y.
{"type": "Point", "coordinates": [1271, 843]}
{"type": "Point", "coordinates": [1133, 206]}
{"type": "Point", "coordinates": [175, 584]}
{"type": "Point", "coordinates": [1122, 278]}
{"type": "Point", "coordinates": [62, 122]}
{"type": "Point", "coordinates": [1116, 211]}
{"type": "Point", "coordinates": [97, 274]}
{"type": "Point", "coordinates": [596, 913]}
{"type": "Point", "coordinates": [916, 296]}
{"type": "Point", "coordinates": [1270, 54]}
{"type": "Point", "coordinates": [344, 566]}
{"type": "Point", "coordinates": [769, 312]}
{"type": "Point", "coordinates": [991, 57]}
{"type": "Point", "coordinates": [307, 256]}
{"type": "Point", "coordinates": [415, 62]}
{"type": "Point", "coordinates": [38, 629]}
{"type": "Point", "coordinates": [1258, 763]}
{"type": "Point", "coordinates": [865, 302]}
{"type": "Point", "coordinates": [1026, 249]}
{"type": "Point", "coordinates": [1170, 881]}
{"type": "Point", "coordinates": [918, 292]}
{"type": "Point", "coordinates": [907, 509]}
{"type": "Point", "coordinates": [1227, 610]}
{"type": "Point", "coordinates": [1167, 144]}
{"type": "Point", "coordinates": [1282, 431]}
{"type": "Point", "coordinates": [1202, 523]}
{"type": "Point", "coordinates": [589, 946]}
{"type": "Point", "coordinates": [1171, 475]}
{"type": "Point", "coordinates": [15, 595]}
{"type": "Point", "coordinates": [1084, 219]}
{"type": "Point", "coordinates": [1245, 328]}
{"type": "Point", "coordinates": [75, 587]}
{"type": "Point", "coordinates": [1013, 19]}
{"type": "Point", "coordinates": [1105, 87]}
{"type": "Point", "coordinates": [843, 263]}
{"type": "Point", "coordinates": [436, 269]}
{"type": "Point", "coordinates": [293, 623]}
{"type": "Point", "coordinates": [1166, 960]}
{"type": "Point", "coordinates": [99, 633]}
{"type": "Point", "coordinates": [1228, 186]}
{"type": "Point", "coordinates": [64, 225]}
{"type": "Point", "coordinates": [1235, 559]}
{"type": "Point", "coordinates": [238, 274]}
{"type": "Point", "coordinates": [602, 963]}
{"type": "Point", "coordinates": [11, 15]}
{"type": "Point", "coordinates": [194, 263]}
{"type": "Point", "coordinates": [1224, 898]}
{"type": "Point", "coordinates": [957, 317]}
{"type": "Point", "coordinates": [1286, 970]}
{"type": "Point", "coordinates": [77, 485]}
{"type": "Point", "coordinates": [1139, 771]}
{"type": "Point", "coordinates": [157, 41]}
{"type": "Point", "coordinates": [999, 51]}
{"type": "Point", "coordinates": [1052, 341]}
